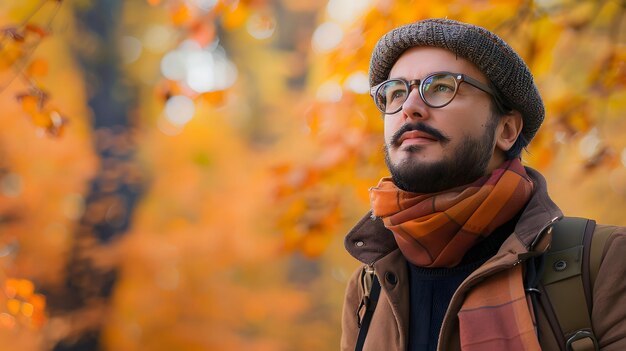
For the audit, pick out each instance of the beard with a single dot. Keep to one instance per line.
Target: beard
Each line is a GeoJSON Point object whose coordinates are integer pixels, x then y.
{"type": "Point", "coordinates": [465, 164]}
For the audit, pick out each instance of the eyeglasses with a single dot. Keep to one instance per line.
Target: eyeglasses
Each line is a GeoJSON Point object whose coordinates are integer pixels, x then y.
{"type": "Point", "coordinates": [436, 90]}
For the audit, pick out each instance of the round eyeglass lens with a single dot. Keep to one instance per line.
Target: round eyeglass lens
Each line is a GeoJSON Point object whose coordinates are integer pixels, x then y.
{"type": "Point", "coordinates": [391, 95]}
{"type": "Point", "coordinates": [439, 89]}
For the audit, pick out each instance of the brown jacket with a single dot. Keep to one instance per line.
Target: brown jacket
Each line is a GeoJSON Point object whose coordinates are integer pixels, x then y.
{"type": "Point", "coordinates": [371, 243]}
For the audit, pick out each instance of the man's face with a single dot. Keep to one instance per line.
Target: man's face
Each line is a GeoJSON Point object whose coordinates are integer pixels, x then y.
{"type": "Point", "coordinates": [433, 149]}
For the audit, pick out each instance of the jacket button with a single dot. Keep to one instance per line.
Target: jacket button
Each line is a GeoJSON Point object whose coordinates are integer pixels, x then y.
{"type": "Point", "coordinates": [391, 278]}
{"type": "Point", "coordinates": [560, 265]}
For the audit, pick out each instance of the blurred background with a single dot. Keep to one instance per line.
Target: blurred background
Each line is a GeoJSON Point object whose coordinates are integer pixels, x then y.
{"type": "Point", "coordinates": [179, 174]}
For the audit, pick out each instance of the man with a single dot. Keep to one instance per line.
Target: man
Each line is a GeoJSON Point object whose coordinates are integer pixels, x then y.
{"type": "Point", "coordinates": [452, 231]}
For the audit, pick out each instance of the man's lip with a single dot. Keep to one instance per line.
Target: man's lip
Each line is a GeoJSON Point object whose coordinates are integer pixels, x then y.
{"type": "Point", "coordinates": [416, 134]}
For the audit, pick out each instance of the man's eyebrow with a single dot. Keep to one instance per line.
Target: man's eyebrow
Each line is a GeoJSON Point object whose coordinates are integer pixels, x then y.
{"type": "Point", "coordinates": [408, 79]}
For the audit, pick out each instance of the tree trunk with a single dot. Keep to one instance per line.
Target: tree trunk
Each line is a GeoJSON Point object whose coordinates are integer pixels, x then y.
{"type": "Point", "coordinates": [115, 189]}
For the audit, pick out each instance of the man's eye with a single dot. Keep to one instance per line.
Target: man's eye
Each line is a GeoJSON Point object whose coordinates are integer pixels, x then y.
{"type": "Point", "coordinates": [442, 88]}
{"type": "Point", "coordinates": [396, 94]}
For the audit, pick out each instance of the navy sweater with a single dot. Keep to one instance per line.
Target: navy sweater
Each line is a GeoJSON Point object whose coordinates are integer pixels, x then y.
{"type": "Point", "coordinates": [431, 289]}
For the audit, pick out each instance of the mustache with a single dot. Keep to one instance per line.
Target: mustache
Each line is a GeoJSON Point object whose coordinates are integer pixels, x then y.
{"type": "Point", "coordinates": [422, 127]}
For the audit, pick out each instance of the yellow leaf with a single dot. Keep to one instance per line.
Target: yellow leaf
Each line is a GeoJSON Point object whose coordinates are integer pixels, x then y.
{"type": "Point", "coordinates": [236, 18]}
{"type": "Point", "coordinates": [13, 306]}
{"type": "Point", "coordinates": [27, 309]}
{"type": "Point", "coordinates": [41, 119]}
{"type": "Point", "coordinates": [25, 288]}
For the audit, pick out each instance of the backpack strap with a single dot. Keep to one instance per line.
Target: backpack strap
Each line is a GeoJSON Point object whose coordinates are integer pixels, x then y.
{"type": "Point", "coordinates": [371, 292]}
{"type": "Point", "coordinates": [566, 284]}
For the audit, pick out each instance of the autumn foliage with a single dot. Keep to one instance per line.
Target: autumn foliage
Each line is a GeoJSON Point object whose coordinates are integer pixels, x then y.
{"type": "Point", "coordinates": [247, 183]}
{"type": "Point", "coordinates": [18, 43]}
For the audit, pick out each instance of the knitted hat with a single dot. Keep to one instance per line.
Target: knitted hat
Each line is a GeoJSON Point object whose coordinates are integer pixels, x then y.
{"type": "Point", "coordinates": [496, 60]}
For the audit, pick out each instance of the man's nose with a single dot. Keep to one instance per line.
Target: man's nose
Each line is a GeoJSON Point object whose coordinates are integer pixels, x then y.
{"type": "Point", "coordinates": [414, 107]}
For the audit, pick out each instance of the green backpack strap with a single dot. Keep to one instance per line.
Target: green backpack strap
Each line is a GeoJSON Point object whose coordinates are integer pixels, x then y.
{"type": "Point", "coordinates": [571, 265]}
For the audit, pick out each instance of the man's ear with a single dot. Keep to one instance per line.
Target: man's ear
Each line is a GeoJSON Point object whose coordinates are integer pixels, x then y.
{"type": "Point", "coordinates": [509, 128]}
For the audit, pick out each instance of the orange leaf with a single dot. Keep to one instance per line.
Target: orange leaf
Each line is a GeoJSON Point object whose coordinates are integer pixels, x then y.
{"type": "Point", "coordinates": [37, 30]}
{"type": "Point", "coordinates": [236, 18]}
{"type": "Point", "coordinates": [13, 306]}
{"type": "Point", "coordinates": [38, 301]}
{"type": "Point", "coordinates": [38, 68]}
{"type": "Point", "coordinates": [41, 119]}
{"type": "Point", "coordinates": [27, 309]}
{"type": "Point", "coordinates": [30, 103]}
{"type": "Point", "coordinates": [25, 288]}
{"type": "Point", "coordinates": [203, 32]}
{"type": "Point", "coordinates": [180, 15]}
{"type": "Point", "coordinates": [214, 97]}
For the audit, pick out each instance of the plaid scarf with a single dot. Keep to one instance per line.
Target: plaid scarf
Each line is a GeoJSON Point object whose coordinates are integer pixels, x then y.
{"type": "Point", "coordinates": [436, 230]}
{"type": "Point", "coordinates": [496, 315]}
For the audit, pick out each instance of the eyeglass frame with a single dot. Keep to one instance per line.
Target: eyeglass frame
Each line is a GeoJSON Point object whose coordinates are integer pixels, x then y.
{"type": "Point", "coordinates": [458, 79]}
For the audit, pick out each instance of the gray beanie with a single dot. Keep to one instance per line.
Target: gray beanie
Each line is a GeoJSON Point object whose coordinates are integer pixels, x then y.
{"type": "Point", "coordinates": [495, 58]}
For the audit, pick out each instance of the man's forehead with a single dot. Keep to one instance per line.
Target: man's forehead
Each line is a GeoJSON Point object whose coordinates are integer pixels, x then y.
{"type": "Point", "coordinates": [422, 60]}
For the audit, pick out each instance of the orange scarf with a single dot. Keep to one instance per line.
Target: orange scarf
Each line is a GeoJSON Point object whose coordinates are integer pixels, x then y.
{"type": "Point", "coordinates": [436, 230]}
{"type": "Point", "coordinates": [496, 315]}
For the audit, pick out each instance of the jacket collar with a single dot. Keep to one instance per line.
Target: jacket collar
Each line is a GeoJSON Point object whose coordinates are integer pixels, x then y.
{"type": "Point", "coordinates": [369, 240]}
